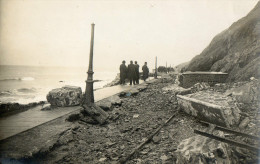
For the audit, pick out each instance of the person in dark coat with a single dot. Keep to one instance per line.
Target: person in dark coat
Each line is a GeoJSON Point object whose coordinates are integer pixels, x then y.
{"type": "Point", "coordinates": [123, 72]}
{"type": "Point", "coordinates": [145, 71]}
{"type": "Point", "coordinates": [136, 73]}
{"type": "Point", "coordinates": [131, 72]}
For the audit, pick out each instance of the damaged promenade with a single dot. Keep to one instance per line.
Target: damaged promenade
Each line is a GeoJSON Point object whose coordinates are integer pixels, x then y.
{"type": "Point", "coordinates": [134, 116]}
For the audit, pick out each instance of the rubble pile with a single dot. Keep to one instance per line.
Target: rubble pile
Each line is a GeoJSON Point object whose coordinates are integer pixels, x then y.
{"type": "Point", "coordinates": [129, 124]}
{"type": "Point", "coordinates": [199, 149]}
{"type": "Point", "coordinates": [133, 118]}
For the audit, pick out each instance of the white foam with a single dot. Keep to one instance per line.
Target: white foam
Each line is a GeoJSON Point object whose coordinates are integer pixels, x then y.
{"type": "Point", "coordinates": [27, 78]}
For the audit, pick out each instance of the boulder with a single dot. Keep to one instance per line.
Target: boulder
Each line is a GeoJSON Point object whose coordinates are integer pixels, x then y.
{"type": "Point", "coordinates": [65, 96]}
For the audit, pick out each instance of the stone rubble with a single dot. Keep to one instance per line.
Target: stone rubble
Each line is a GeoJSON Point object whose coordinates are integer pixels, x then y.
{"type": "Point", "coordinates": [129, 124]}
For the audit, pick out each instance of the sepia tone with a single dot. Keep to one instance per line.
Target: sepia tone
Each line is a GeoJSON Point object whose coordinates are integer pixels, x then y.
{"type": "Point", "coordinates": [129, 81]}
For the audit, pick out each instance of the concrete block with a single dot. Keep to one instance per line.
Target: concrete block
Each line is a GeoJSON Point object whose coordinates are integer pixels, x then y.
{"type": "Point", "coordinates": [216, 114]}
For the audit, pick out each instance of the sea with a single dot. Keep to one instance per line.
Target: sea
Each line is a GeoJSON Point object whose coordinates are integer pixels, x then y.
{"type": "Point", "coordinates": [27, 84]}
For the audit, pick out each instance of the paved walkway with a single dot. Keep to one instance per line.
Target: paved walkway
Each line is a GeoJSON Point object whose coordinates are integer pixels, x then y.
{"type": "Point", "coordinates": [14, 124]}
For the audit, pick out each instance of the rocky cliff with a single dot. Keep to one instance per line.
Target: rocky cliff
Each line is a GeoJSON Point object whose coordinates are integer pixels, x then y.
{"type": "Point", "coordinates": [236, 50]}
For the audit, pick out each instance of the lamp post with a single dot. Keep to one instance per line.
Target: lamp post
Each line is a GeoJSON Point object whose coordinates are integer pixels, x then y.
{"type": "Point", "coordinates": [89, 93]}
{"type": "Point", "coordinates": [88, 102]}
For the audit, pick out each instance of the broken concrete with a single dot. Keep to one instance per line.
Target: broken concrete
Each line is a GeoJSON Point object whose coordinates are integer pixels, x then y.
{"type": "Point", "coordinates": [107, 103]}
{"type": "Point", "coordinates": [220, 115]}
{"type": "Point", "coordinates": [199, 149]}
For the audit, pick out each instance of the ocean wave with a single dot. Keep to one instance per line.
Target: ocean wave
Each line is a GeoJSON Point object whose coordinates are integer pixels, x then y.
{"type": "Point", "coordinates": [19, 79]}
{"type": "Point", "coordinates": [26, 90]}
{"type": "Point", "coordinates": [6, 93]}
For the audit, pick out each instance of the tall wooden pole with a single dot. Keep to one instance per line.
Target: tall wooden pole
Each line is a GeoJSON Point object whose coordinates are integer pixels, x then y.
{"type": "Point", "coordinates": [89, 93]}
{"type": "Point", "coordinates": [155, 74]}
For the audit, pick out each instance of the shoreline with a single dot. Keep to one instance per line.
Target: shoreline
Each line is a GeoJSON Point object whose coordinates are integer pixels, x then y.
{"type": "Point", "coordinates": [10, 108]}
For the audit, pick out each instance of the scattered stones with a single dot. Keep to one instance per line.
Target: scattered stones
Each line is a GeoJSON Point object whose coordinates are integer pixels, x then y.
{"type": "Point", "coordinates": [65, 96]}
{"type": "Point", "coordinates": [199, 87]}
{"type": "Point", "coordinates": [111, 142]}
{"type": "Point", "coordinates": [199, 149]}
{"type": "Point", "coordinates": [175, 89]}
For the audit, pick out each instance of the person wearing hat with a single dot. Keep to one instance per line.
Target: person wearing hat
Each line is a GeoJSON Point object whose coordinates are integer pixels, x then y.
{"type": "Point", "coordinates": [145, 71]}
{"type": "Point", "coordinates": [131, 72]}
{"type": "Point", "coordinates": [136, 73]}
{"type": "Point", "coordinates": [123, 73]}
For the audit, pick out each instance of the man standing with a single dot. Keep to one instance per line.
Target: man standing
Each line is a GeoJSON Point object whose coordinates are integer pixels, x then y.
{"type": "Point", "coordinates": [145, 71]}
{"type": "Point", "coordinates": [123, 72]}
{"type": "Point", "coordinates": [136, 73]}
{"type": "Point", "coordinates": [131, 72]}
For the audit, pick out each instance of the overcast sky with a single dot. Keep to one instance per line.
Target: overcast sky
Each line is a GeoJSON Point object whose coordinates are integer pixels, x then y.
{"type": "Point", "coordinates": [57, 32]}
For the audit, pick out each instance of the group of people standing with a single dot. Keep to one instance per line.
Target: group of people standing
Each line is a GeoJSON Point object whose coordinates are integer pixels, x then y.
{"type": "Point", "coordinates": [132, 72]}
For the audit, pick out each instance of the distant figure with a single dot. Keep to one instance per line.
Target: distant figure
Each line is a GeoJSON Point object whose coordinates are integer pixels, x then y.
{"type": "Point", "coordinates": [136, 73]}
{"type": "Point", "coordinates": [123, 72]}
{"type": "Point", "coordinates": [145, 71]}
{"type": "Point", "coordinates": [131, 72]}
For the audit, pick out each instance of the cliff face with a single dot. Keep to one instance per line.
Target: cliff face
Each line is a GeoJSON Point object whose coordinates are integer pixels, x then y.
{"type": "Point", "coordinates": [236, 50]}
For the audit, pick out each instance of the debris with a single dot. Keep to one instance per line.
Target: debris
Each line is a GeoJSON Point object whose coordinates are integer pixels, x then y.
{"type": "Point", "coordinates": [164, 158]}
{"type": "Point", "coordinates": [96, 113]}
{"type": "Point", "coordinates": [135, 115]}
{"type": "Point", "coordinates": [156, 139]}
{"type": "Point", "coordinates": [102, 159]}
{"type": "Point", "coordinates": [244, 123]}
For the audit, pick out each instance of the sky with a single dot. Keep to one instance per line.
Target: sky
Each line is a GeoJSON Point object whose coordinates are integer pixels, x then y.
{"type": "Point", "coordinates": [57, 32]}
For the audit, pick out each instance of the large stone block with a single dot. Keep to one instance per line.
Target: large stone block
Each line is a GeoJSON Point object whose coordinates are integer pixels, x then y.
{"type": "Point", "coordinates": [209, 112]}
{"type": "Point", "coordinates": [65, 96]}
{"type": "Point", "coordinates": [188, 79]}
